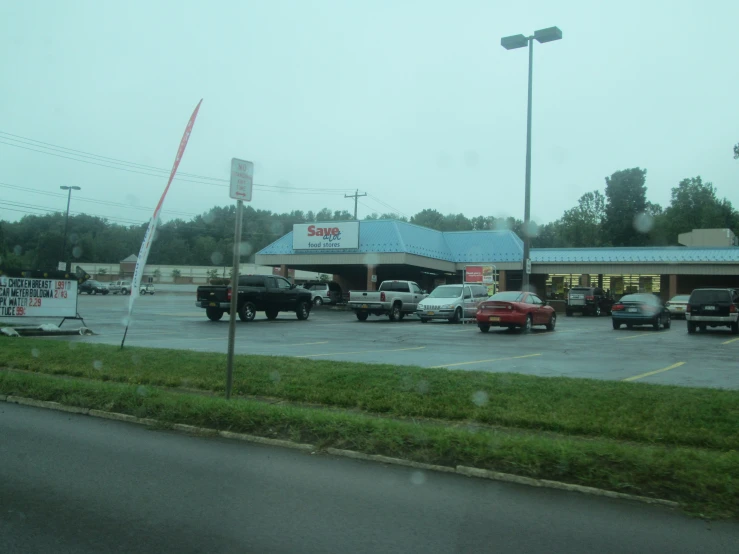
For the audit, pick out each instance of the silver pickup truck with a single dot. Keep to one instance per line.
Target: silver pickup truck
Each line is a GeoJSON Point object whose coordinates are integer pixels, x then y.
{"type": "Point", "coordinates": [394, 299]}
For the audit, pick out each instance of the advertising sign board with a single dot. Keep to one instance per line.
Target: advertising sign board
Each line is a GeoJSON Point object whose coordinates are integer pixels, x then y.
{"type": "Point", "coordinates": [32, 297]}
{"type": "Point", "coordinates": [326, 236]}
{"type": "Point", "coordinates": [479, 274]}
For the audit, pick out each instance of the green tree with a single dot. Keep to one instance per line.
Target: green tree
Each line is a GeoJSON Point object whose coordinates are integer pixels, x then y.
{"type": "Point", "coordinates": [176, 274]}
{"type": "Point", "coordinates": [581, 226]}
{"type": "Point", "coordinates": [695, 205]}
{"type": "Point", "coordinates": [157, 274]}
{"type": "Point", "coordinates": [626, 194]}
{"type": "Point", "coordinates": [429, 218]}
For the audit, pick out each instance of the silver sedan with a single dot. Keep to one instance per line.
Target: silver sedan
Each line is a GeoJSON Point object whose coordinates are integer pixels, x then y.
{"type": "Point", "coordinates": [677, 305]}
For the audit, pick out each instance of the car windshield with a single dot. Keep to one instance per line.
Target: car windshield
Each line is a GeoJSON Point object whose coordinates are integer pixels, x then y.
{"type": "Point", "coordinates": [446, 291]}
{"type": "Point", "coordinates": [507, 296]}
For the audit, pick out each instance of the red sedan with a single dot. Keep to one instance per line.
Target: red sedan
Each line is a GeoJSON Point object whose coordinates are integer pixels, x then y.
{"type": "Point", "coordinates": [515, 309]}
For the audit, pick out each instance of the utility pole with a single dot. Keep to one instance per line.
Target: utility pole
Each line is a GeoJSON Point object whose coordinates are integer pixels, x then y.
{"type": "Point", "coordinates": [66, 222]}
{"type": "Point", "coordinates": [356, 197]}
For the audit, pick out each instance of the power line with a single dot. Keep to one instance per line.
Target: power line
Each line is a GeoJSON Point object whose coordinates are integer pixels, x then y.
{"type": "Point", "coordinates": [97, 158]}
{"type": "Point", "coordinates": [46, 210]}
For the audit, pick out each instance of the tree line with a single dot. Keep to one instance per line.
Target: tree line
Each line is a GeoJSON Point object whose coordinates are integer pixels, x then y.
{"type": "Point", "coordinates": [619, 216]}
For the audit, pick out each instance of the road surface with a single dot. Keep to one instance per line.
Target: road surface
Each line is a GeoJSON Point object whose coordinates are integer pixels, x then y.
{"type": "Point", "coordinates": [72, 483]}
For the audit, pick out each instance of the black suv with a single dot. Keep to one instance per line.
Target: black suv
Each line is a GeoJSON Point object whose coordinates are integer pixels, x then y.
{"type": "Point", "coordinates": [588, 300]}
{"type": "Point", "coordinates": [713, 308]}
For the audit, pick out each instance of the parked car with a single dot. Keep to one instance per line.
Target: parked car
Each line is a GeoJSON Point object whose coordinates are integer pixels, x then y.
{"type": "Point", "coordinates": [395, 299]}
{"type": "Point", "coordinates": [256, 293]}
{"type": "Point", "coordinates": [588, 300]}
{"type": "Point", "coordinates": [327, 292]}
{"type": "Point", "coordinates": [678, 305]}
{"type": "Point", "coordinates": [147, 288]}
{"type": "Point", "coordinates": [93, 287]}
{"type": "Point", "coordinates": [713, 308]}
{"type": "Point", "coordinates": [640, 309]}
{"type": "Point", "coordinates": [448, 302]}
{"type": "Point", "coordinates": [120, 287]}
{"type": "Point", "coordinates": [515, 309]}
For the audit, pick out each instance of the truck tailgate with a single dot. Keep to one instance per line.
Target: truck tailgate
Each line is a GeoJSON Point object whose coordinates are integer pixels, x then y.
{"type": "Point", "coordinates": [364, 296]}
{"type": "Point", "coordinates": [213, 294]}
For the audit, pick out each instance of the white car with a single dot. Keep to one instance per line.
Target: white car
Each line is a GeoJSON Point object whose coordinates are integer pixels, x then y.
{"type": "Point", "coordinates": [447, 302]}
{"type": "Point", "coordinates": [146, 288]}
{"type": "Point", "coordinates": [678, 305]}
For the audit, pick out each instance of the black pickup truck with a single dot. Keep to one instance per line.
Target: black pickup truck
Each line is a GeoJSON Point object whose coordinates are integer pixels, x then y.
{"type": "Point", "coordinates": [257, 293]}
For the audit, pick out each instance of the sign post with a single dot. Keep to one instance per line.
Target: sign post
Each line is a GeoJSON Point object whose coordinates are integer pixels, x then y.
{"type": "Point", "coordinates": [242, 177]}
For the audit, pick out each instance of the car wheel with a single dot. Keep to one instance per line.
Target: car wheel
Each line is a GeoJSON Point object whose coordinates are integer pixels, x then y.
{"type": "Point", "coordinates": [568, 313]}
{"type": "Point", "coordinates": [124, 292]}
{"type": "Point", "coordinates": [247, 312]}
{"type": "Point", "coordinates": [457, 317]}
{"type": "Point", "coordinates": [394, 314]}
{"type": "Point", "coordinates": [317, 301]}
{"type": "Point", "coordinates": [691, 327]}
{"type": "Point", "coordinates": [616, 325]}
{"type": "Point", "coordinates": [93, 291]}
{"type": "Point", "coordinates": [302, 311]}
{"type": "Point", "coordinates": [735, 328]}
{"type": "Point", "coordinates": [528, 325]}
{"type": "Point", "coordinates": [362, 316]}
{"type": "Point", "coordinates": [656, 323]}
{"type": "Point", "coordinates": [214, 314]}
{"type": "Point", "coordinates": [596, 311]}
{"type": "Point", "coordinates": [424, 320]}
{"type": "Point", "coordinates": [484, 327]}
{"type": "Point", "coordinates": [667, 322]}
{"type": "Point", "coordinates": [552, 322]}
{"type": "Point", "coordinates": [272, 314]}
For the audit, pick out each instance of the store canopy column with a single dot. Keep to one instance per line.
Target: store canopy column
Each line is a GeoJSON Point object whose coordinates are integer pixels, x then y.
{"type": "Point", "coordinates": [371, 271]}
{"type": "Point", "coordinates": [501, 280]}
{"type": "Point", "coordinates": [673, 286]}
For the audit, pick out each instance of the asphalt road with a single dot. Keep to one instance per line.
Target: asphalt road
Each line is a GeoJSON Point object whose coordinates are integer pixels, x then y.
{"type": "Point", "coordinates": [579, 347]}
{"type": "Point", "coordinates": [72, 483]}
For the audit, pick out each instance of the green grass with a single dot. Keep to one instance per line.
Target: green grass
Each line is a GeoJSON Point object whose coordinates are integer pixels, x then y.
{"type": "Point", "coordinates": [679, 416]}
{"type": "Point", "coordinates": [703, 481]}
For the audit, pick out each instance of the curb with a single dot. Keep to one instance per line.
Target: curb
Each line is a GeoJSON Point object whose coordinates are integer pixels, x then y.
{"type": "Point", "coordinates": [459, 470]}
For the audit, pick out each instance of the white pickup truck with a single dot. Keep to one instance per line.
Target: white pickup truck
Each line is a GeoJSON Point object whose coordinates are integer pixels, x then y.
{"type": "Point", "coordinates": [394, 299]}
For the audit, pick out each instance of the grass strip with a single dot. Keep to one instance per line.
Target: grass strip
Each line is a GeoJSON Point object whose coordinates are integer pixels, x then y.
{"type": "Point", "coordinates": [703, 481]}
{"type": "Point", "coordinates": [696, 417]}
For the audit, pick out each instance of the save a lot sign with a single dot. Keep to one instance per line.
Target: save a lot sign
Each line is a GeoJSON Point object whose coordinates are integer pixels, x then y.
{"type": "Point", "coordinates": [326, 236]}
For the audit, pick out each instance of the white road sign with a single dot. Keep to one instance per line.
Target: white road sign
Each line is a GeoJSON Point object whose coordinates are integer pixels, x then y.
{"type": "Point", "coordinates": [28, 297]}
{"type": "Point", "coordinates": [242, 175]}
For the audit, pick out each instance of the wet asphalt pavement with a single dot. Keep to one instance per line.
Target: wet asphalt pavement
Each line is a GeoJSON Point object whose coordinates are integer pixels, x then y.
{"type": "Point", "coordinates": [74, 484]}
{"type": "Point", "coordinates": [580, 346]}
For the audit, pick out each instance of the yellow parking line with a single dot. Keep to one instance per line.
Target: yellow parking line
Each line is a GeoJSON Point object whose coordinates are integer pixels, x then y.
{"type": "Point", "coordinates": [360, 352]}
{"type": "Point", "coordinates": [635, 377]}
{"type": "Point", "coordinates": [730, 341]}
{"type": "Point", "coordinates": [485, 361]}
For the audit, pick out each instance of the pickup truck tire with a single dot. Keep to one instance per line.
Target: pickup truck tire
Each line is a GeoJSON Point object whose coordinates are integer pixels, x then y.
{"type": "Point", "coordinates": [362, 316]}
{"type": "Point", "coordinates": [302, 311]}
{"type": "Point", "coordinates": [395, 312]}
{"type": "Point", "coordinates": [568, 313]}
{"type": "Point", "coordinates": [214, 314]}
{"type": "Point", "coordinates": [124, 292]}
{"type": "Point", "coordinates": [272, 314]}
{"type": "Point", "coordinates": [401, 316]}
{"type": "Point", "coordinates": [735, 328]}
{"type": "Point", "coordinates": [247, 311]}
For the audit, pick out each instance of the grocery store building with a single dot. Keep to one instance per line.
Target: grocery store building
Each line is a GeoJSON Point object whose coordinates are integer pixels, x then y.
{"type": "Point", "coordinates": [362, 254]}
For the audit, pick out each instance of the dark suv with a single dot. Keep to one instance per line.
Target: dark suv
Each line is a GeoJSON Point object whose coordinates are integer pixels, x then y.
{"type": "Point", "coordinates": [93, 287]}
{"type": "Point", "coordinates": [713, 308]}
{"type": "Point", "coordinates": [588, 300]}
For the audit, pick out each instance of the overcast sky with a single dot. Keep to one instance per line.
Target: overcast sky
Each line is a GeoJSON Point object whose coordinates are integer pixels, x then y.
{"type": "Point", "coordinates": [413, 102]}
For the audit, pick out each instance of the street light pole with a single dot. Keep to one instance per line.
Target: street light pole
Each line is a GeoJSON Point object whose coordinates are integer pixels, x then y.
{"type": "Point", "coordinates": [510, 43]}
{"type": "Point", "coordinates": [66, 222]}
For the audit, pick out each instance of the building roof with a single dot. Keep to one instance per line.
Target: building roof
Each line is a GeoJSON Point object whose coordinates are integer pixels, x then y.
{"type": "Point", "coordinates": [648, 254]}
{"type": "Point", "coordinates": [131, 259]}
{"type": "Point", "coordinates": [376, 236]}
{"type": "Point", "coordinates": [390, 236]}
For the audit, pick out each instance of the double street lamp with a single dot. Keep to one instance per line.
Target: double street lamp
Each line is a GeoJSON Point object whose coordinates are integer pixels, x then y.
{"type": "Point", "coordinates": [66, 222]}
{"type": "Point", "coordinates": [511, 43]}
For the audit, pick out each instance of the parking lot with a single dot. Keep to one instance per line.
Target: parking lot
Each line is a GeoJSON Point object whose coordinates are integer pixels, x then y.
{"type": "Point", "coordinates": [579, 347]}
